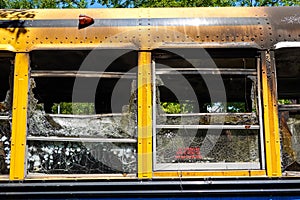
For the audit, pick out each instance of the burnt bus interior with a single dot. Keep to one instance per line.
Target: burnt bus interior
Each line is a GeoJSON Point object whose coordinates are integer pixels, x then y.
{"type": "Point", "coordinates": [288, 81]}
{"type": "Point", "coordinates": [97, 129]}
{"type": "Point", "coordinates": [6, 59]}
{"type": "Point", "coordinates": [218, 124]}
{"type": "Point", "coordinates": [114, 63]}
{"type": "Point", "coordinates": [6, 79]}
{"type": "Point", "coordinates": [288, 73]}
{"type": "Point", "coordinates": [226, 115]}
{"type": "Point", "coordinates": [238, 88]}
{"type": "Point", "coordinates": [196, 126]}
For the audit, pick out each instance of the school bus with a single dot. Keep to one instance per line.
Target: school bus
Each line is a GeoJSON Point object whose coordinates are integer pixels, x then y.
{"type": "Point", "coordinates": [173, 103]}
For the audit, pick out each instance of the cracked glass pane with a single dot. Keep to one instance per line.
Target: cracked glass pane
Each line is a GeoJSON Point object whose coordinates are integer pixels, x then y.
{"type": "Point", "coordinates": [80, 158]}
{"type": "Point", "coordinates": [6, 78]}
{"type": "Point", "coordinates": [91, 133]}
{"type": "Point", "coordinates": [178, 146]}
{"type": "Point", "coordinates": [207, 110]}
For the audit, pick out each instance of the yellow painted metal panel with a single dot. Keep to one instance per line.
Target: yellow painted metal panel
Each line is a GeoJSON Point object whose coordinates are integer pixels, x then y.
{"type": "Point", "coordinates": [182, 174]}
{"type": "Point", "coordinates": [119, 13]}
{"type": "Point", "coordinates": [206, 12]}
{"type": "Point", "coordinates": [69, 13]}
{"type": "Point", "coordinates": [275, 134]}
{"type": "Point", "coordinates": [271, 128]}
{"type": "Point", "coordinates": [258, 173]}
{"type": "Point", "coordinates": [80, 176]}
{"type": "Point", "coordinates": [6, 47]}
{"type": "Point", "coordinates": [144, 116]}
{"type": "Point", "coordinates": [72, 38]}
{"type": "Point", "coordinates": [19, 117]}
{"type": "Point", "coordinates": [59, 28]}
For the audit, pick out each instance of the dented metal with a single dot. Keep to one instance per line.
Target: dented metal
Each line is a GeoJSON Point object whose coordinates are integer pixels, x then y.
{"type": "Point", "coordinates": [150, 28]}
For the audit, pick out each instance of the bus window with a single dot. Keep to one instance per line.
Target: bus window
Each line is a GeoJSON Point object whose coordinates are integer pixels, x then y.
{"type": "Point", "coordinates": [207, 110]}
{"type": "Point", "coordinates": [6, 78]}
{"type": "Point", "coordinates": [288, 73]}
{"type": "Point", "coordinates": [82, 112]}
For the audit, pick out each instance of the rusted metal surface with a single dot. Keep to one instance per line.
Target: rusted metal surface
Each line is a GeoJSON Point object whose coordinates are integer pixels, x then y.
{"type": "Point", "coordinates": [271, 127]}
{"type": "Point", "coordinates": [26, 30]}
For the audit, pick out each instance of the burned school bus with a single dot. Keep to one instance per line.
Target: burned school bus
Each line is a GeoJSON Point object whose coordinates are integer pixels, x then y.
{"type": "Point", "coordinates": [170, 102]}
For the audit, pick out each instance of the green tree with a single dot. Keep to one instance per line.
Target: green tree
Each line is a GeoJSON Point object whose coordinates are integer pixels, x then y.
{"type": "Point", "coordinates": [31, 4]}
{"type": "Point", "coordinates": [285, 101]}
{"type": "Point", "coordinates": [73, 108]}
{"type": "Point", "coordinates": [184, 3]}
{"type": "Point", "coordinates": [193, 3]}
{"type": "Point", "coordinates": [268, 3]}
{"type": "Point", "coordinates": [175, 108]}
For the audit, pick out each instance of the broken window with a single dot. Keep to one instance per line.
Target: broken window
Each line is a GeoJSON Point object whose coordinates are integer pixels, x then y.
{"type": "Point", "coordinates": [207, 111]}
{"type": "Point", "coordinates": [288, 80]}
{"type": "Point", "coordinates": [82, 112]}
{"type": "Point", "coordinates": [6, 86]}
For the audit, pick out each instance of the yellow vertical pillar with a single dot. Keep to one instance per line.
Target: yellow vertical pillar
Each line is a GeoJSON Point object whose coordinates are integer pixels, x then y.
{"type": "Point", "coordinates": [19, 117]}
{"type": "Point", "coordinates": [144, 115]}
{"type": "Point", "coordinates": [271, 126]}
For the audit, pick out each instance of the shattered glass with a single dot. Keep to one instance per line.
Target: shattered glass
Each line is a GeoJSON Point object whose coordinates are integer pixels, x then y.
{"type": "Point", "coordinates": [5, 134]}
{"type": "Point", "coordinates": [69, 157]}
{"type": "Point", "coordinates": [207, 119]}
{"type": "Point", "coordinates": [202, 145]}
{"type": "Point", "coordinates": [289, 125]}
{"type": "Point", "coordinates": [178, 146]}
{"type": "Point", "coordinates": [80, 158]}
